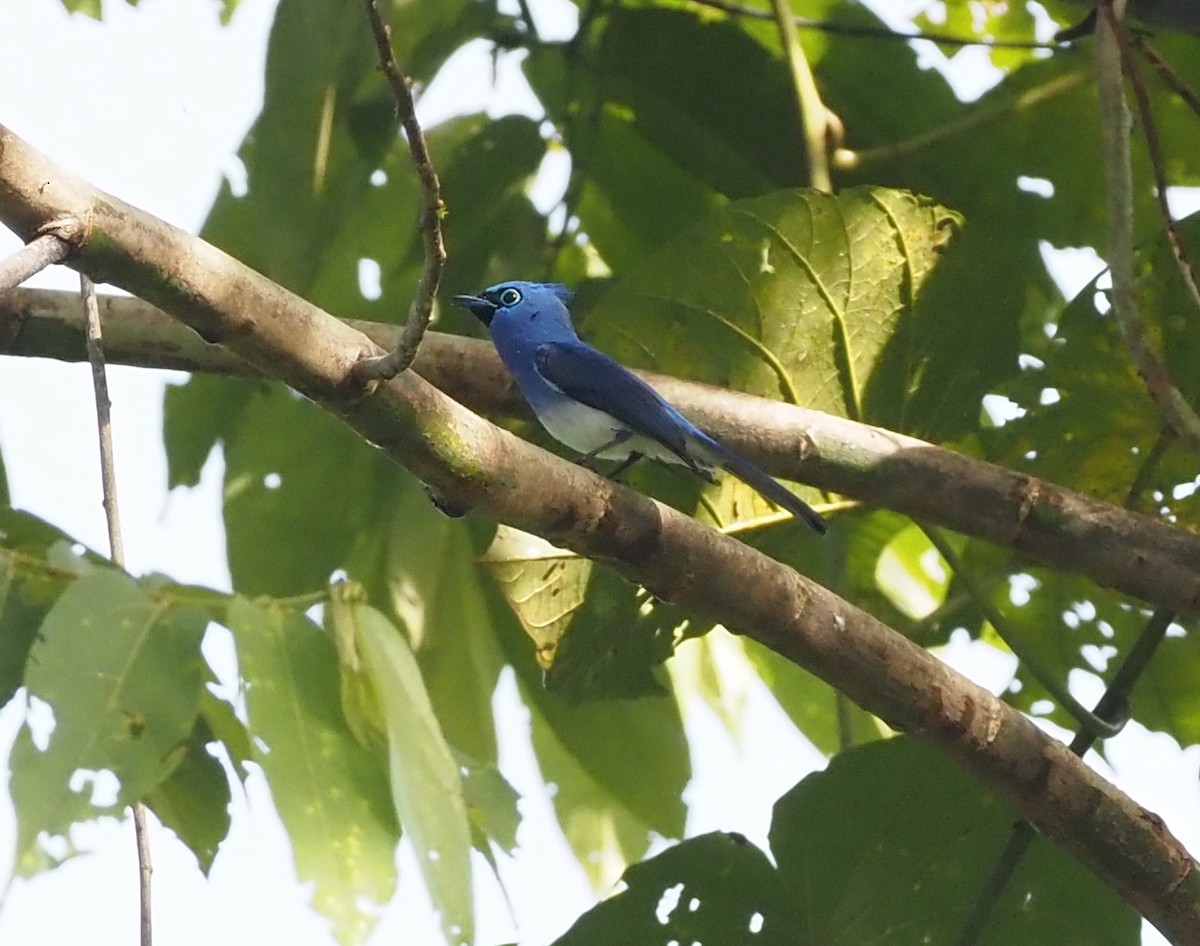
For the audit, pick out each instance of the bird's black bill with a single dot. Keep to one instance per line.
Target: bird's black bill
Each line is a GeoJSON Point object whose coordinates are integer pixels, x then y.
{"type": "Point", "coordinates": [483, 309]}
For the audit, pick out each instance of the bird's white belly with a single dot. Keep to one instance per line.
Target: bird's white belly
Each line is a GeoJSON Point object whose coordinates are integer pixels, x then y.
{"type": "Point", "coordinates": [585, 429]}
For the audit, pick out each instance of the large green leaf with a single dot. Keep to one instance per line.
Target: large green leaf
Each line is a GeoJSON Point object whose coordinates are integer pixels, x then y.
{"type": "Point", "coordinates": [427, 789]}
{"type": "Point", "coordinates": [797, 295]}
{"type": "Point", "coordinates": [716, 888]}
{"type": "Point", "coordinates": [299, 488]}
{"type": "Point", "coordinates": [892, 844]}
{"type": "Point", "coordinates": [122, 673]}
{"type": "Point", "coordinates": [331, 793]}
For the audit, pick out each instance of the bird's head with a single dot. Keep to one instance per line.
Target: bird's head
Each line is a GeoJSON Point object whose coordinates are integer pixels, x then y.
{"type": "Point", "coordinates": [519, 301]}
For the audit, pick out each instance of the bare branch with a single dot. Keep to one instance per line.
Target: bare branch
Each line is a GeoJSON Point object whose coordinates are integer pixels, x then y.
{"type": "Point", "coordinates": [108, 475]}
{"type": "Point", "coordinates": [1154, 147]}
{"type": "Point", "coordinates": [108, 481]}
{"type": "Point", "coordinates": [1115, 124]}
{"type": "Point", "coordinates": [477, 465]}
{"type": "Point", "coordinates": [1041, 522]}
{"type": "Point", "coordinates": [421, 311]}
{"type": "Point", "coordinates": [53, 244]}
{"type": "Point", "coordinates": [1175, 82]}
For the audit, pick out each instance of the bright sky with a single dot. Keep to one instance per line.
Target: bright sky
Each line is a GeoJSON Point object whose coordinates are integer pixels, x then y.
{"type": "Point", "coordinates": [151, 105]}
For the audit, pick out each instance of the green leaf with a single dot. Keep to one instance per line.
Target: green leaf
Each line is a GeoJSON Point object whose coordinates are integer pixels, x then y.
{"type": "Point", "coordinates": [893, 844]}
{"type": "Point", "coordinates": [325, 125]}
{"type": "Point", "coordinates": [699, 91]}
{"type": "Point", "coordinates": [194, 800]}
{"type": "Point", "coordinates": [36, 566]}
{"type": "Point", "coordinates": [122, 673]}
{"type": "Point", "coordinates": [619, 768]}
{"type": "Point", "coordinates": [800, 296]}
{"type": "Point", "coordinates": [424, 565]}
{"type": "Point", "coordinates": [1165, 696]}
{"type": "Point", "coordinates": [491, 805]}
{"type": "Point", "coordinates": [611, 634]}
{"type": "Point", "coordinates": [1088, 420]}
{"type": "Point", "coordinates": [716, 888]}
{"type": "Point", "coordinates": [331, 793]}
{"type": "Point", "coordinates": [199, 415]}
{"type": "Point", "coordinates": [426, 784]}
{"type": "Point", "coordinates": [299, 488]}
{"type": "Point", "coordinates": [811, 703]}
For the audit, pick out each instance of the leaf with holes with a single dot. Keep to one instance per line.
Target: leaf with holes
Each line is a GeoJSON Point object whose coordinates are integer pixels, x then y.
{"type": "Point", "coordinates": [716, 888]}
{"type": "Point", "coordinates": [122, 673]}
{"type": "Point", "coordinates": [893, 844]}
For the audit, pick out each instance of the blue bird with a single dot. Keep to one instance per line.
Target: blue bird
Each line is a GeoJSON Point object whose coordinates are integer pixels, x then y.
{"type": "Point", "coordinates": [594, 405]}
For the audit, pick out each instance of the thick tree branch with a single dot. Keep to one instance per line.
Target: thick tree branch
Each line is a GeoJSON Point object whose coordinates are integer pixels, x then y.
{"type": "Point", "coordinates": [480, 466]}
{"type": "Point", "coordinates": [1043, 523]}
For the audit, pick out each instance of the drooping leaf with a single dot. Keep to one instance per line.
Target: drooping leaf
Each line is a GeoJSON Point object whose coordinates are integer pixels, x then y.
{"type": "Point", "coordinates": [424, 565]}
{"type": "Point", "coordinates": [122, 674]}
{"type": "Point", "coordinates": [331, 793]}
{"type": "Point", "coordinates": [427, 787]}
{"type": "Point", "coordinates": [892, 844]}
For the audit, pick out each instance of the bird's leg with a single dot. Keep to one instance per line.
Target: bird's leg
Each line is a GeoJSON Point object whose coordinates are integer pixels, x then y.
{"type": "Point", "coordinates": [625, 464]}
{"type": "Point", "coordinates": [585, 461]}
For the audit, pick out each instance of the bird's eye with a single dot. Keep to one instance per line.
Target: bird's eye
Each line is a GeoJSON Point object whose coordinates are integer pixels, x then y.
{"type": "Point", "coordinates": [510, 296]}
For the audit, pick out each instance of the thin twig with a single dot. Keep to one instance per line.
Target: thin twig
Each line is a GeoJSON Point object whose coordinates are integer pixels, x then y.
{"type": "Point", "coordinates": [1089, 721]}
{"type": "Point", "coordinates": [1148, 468]}
{"type": "Point", "coordinates": [53, 244]}
{"type": "Point", "coordinates": [1115, 123]}
{"type": "Point", "coordinates": [108, 476]}
{"type": "Point", "coordinates": [527, 17]}
{"type": "Point", "coordinates": [1154, 146]}
{"type": "Point", "coordinates": [874, 32]}
{"type": "Point", "coordinates": [108, 481]}
{"type": "Point", "coordinates": [421, 311]}
{"type": "Point", "coordinates": [812, 113]}
{"type": "Point", "coordinates": [1113, 707]}
{"type": "Point", "coordinates": [845, 159]}
{"type": "Point", "coordinates": [1166, 72]}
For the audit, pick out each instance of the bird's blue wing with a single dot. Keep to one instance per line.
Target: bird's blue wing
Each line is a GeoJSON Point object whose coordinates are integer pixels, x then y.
{"type": "Point", "coordinates": [594, 379]}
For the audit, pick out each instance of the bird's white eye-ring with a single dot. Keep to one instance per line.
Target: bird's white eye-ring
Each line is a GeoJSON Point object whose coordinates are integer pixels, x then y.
{"type": "Point", "coordinates": [510, 296]}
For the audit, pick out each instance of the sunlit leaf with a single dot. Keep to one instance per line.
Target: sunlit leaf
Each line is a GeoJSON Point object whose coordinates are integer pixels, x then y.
{"type": "Point", "coordinates": [426, 782]}
{"type": "Point", "coordinates": [331, 793]}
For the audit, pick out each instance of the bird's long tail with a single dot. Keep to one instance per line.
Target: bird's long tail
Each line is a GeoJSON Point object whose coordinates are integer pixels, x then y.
{"type": "Point", "coordinates": [763, 482]}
